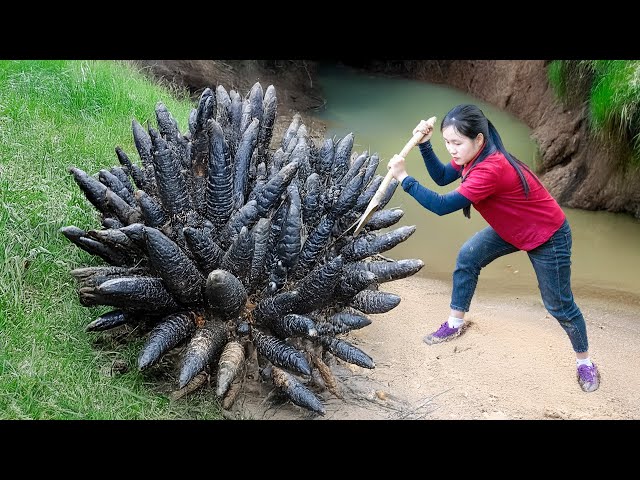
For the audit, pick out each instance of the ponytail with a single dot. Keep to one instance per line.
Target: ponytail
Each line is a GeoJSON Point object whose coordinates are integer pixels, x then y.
{"type": "Point", "coordinates": [515, 163]}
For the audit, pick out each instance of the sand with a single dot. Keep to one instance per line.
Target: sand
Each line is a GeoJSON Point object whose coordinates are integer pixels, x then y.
{"type": "Point", "coordinates": [513, 362]}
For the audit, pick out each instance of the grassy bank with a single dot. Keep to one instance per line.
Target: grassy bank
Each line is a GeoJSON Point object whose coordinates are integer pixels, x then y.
{"type": "Point", "coordinates": [611, 89]}
{"type": "Point", "coordinates": [53, 115]}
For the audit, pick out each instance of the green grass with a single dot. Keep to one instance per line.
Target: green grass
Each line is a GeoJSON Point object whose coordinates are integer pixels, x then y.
{"type": "Point", "coordinates": [612, 90]}
{"type": "Point", "coordinates": [53, 115]}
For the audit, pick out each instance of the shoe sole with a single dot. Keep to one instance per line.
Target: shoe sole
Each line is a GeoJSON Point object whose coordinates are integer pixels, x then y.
{"type": "Point", "coordinates": [431, 340]}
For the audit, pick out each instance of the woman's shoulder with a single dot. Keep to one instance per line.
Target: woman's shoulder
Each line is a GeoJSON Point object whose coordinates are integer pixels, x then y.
{"type": "Point", "coordinates": [494, 160]}
{"type": "Point", "coordinates": [496, 156]}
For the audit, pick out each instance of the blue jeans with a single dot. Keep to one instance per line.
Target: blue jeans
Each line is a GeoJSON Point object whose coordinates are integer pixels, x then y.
{"type": "Point", "coordinates": [552, 264]}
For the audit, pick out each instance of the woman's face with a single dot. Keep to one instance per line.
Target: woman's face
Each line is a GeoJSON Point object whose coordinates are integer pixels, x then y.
{"type": "Point", "coordinates": [462, 149]}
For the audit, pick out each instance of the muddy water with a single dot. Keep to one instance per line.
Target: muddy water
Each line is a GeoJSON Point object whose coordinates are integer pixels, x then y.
{"type": "Point", "coordinates": [382, 111]}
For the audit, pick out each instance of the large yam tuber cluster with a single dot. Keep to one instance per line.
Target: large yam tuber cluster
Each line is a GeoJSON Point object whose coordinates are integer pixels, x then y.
{"type": "Point", "coordinates": [232, 245]}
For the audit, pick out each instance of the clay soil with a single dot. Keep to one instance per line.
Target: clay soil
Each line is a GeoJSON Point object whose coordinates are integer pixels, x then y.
{"type": "Point", "coordinates": [513, 362]}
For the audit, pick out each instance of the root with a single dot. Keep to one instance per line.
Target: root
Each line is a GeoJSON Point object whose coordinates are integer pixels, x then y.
{"type": "Point", "coordinates": [196, 382]}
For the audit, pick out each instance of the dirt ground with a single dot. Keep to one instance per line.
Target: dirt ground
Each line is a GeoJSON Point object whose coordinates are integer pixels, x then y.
{"type": "Point", "coordinates": [513, 362]}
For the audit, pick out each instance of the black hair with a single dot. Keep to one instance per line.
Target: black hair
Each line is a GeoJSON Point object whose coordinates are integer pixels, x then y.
{"type": "Point", "coordinates": [469, 120]}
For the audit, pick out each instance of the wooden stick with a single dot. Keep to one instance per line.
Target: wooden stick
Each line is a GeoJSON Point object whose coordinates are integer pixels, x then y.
{"type": "Point", "coordinates": [382, 189]}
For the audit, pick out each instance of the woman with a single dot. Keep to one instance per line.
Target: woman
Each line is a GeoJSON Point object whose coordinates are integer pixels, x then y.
{"type": "Point", "coordinates": [521, 214]}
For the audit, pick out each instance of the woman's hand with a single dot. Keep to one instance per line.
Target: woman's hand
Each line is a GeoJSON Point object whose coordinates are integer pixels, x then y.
{"type": "Point", "coordinates": [396, 165]}
{"type": "Point", "coordinates": [424, 127]}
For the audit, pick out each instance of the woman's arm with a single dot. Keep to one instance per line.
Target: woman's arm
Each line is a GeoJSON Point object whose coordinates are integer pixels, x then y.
{"type": "Point", "coordinates": [442, 174]}
{"type": "Point", "coordinates": [438, 204]}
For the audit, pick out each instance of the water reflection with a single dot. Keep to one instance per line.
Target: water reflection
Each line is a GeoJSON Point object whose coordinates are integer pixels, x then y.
{"type": "Point", "coordinates": [382, 111]}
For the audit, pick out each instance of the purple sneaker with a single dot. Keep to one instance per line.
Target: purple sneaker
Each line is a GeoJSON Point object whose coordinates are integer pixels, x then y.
{"type": "Point", "coordinates": [588, 377]}
{"type": "Point", "coordinates": [443, 334]}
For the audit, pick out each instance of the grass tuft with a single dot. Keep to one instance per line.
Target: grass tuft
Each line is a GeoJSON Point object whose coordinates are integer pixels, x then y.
{"type": "Point", "coordinates": [612, 90]}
